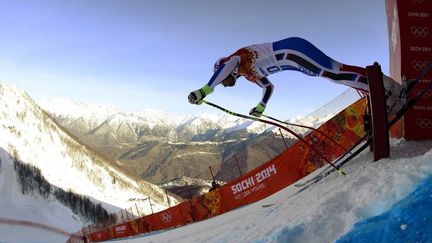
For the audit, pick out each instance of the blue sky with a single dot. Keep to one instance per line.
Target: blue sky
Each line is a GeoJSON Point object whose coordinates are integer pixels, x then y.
{"type": "Point", "coordinates": [144, 54]}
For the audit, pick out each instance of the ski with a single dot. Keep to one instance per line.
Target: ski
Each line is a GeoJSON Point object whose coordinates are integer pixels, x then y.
{"type": "Point", "coordinates": [268, 205]}
{"type": "Point", "coordinates": [312, 180]}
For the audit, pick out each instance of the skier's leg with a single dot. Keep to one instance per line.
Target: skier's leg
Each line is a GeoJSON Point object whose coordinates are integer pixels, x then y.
{"type": "Point", "coordinates": [301, 55]}
{"type": "Point", "coordinates": [306, 57]}
{"type": "Point", "coordinates": [392, 91]}
{"type": "Point", "coordinates": [354, 76]}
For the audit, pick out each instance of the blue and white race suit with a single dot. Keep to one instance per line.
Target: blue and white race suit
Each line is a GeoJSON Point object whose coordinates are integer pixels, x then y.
{"type": "Point", "coordinates": [258, 61]}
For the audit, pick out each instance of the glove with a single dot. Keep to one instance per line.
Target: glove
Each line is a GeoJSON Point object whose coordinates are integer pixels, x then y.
{"type": "Point", "coordinates": [257, 111]}
{"type": "Point", "coordinates": [195, 97]}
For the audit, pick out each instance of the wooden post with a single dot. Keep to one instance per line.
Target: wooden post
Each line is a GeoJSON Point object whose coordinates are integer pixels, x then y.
{"type": "Point", "coordinates": [189, 191]}
{"type": "Point", "coordinates": [151, 207]}
{"type": "Point", "coordinates": [211, 173]}
{"type": "Point", "coordinates": [286, 145]}
{"type": "Point", "coordinates": [168, 200]}
{"type": "Point", "coordinates": [238, 165]}
{"type": "Point", "coordinates": [123, 217]}
{"type": "Point", "coordinates": [136, 206]}
{"type": "Point", "coordinates": [381, 144]}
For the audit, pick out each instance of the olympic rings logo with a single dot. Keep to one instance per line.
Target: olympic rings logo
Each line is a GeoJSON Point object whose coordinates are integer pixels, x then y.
{"type": "Point", "coordinates": [424, 123]}
{"type": "Point", "coordinates": [419, 31]}
{"type": "Point", "coordinates": [419, 65]}
{"type": "Point", "coordinates": [166, 217]}
{"type": "Point", "coordinates": [417, 1]}
{"type": "Point", "coordinates": [428, 94]}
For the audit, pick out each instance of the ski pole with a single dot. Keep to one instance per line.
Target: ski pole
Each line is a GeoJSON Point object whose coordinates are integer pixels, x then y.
{"type": "Point", "coordinates": [277, 125]}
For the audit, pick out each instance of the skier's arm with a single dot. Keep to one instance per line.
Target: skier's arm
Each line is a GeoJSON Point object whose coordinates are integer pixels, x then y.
{"type": "Point", "coordinates": [195, 97]}
{"type": "Point", "coordinates": [267, 87]}
{"type": "Point", "coordinates": [223, 71]}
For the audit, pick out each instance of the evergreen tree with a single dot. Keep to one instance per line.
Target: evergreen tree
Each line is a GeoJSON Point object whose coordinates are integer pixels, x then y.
{"type": "Point", "coordinates": [30, 179]}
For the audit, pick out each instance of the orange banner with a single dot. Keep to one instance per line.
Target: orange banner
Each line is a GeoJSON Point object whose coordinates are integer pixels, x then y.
{"type": "Point", "coordinates": [299, 160]}
{"type": "Point", "coordinates": [331, 141]}
{"type": "Point", "coordinates": [168, 218]}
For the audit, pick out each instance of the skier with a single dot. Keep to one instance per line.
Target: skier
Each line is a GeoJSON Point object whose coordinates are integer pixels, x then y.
{"type": "Point", "coordinates": [258, 61]}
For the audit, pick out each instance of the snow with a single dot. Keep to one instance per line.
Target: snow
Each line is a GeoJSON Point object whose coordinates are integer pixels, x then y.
{"type": "Point", "coordinates": [207, 142]}
{"type": "Point", "coordinates": [65, 163]}
{"type": "Point", "coordinates": [409, 220]}
{"type": "Point", "coordinates": [323, 212]}
{"type": "Point", "coordinates": [14, 205]}
{"type": "Point", "coordinates": [66, 106]}
{"type": "Point", "coordinates": [27, 132]}
{"type": "Point", "coordinates": [193, 154]}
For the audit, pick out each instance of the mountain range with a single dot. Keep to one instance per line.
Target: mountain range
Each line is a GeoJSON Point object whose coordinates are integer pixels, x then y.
{"type": "Point", "coordinates": [161, 147]}
{"type": "Point", "coordinates": [158, 146]}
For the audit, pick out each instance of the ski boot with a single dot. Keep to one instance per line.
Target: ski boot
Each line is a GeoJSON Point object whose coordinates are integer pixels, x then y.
{"type": "Point", "coordinates": [393, 94]}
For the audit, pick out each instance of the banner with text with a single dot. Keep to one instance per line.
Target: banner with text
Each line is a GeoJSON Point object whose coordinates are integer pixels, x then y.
{"type": "Point", "coordinates": [329, 141]}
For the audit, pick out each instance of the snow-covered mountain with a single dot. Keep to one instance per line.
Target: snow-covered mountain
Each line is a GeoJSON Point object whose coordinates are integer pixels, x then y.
{"type": "Point", "coordinates": [147, 123]}
{"type": "Point", "coordinates": [159, 146]}
{"type": "Point", "coordinates": [155, 123]}
{"type": "Point", "coordinates": [29, 135]}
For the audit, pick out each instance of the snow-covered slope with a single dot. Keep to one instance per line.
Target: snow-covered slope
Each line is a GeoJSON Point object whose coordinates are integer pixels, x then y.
{"type": "Point", "coordinates": [326, 210]}
{"type": "Point", "coordinates": [20, 214]}
{"type": "Point", "coordinates": [28, 133]}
